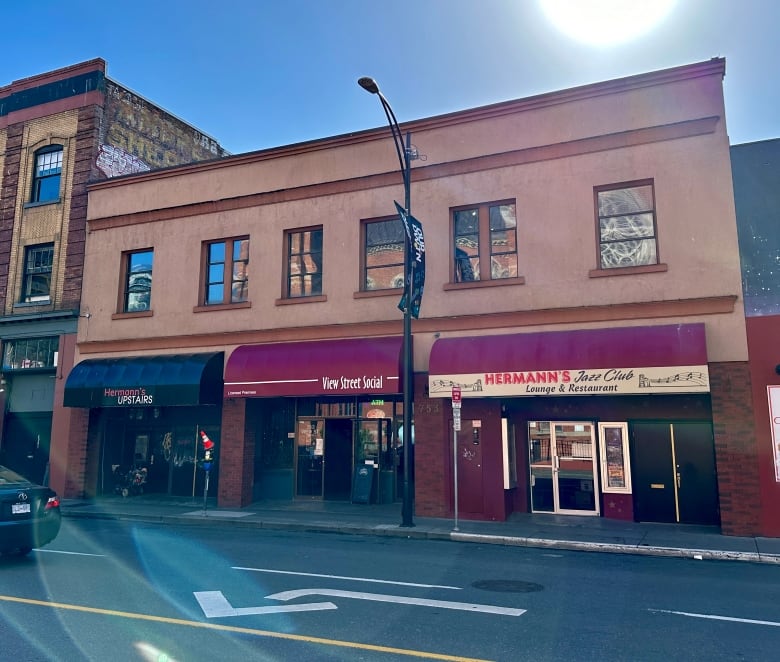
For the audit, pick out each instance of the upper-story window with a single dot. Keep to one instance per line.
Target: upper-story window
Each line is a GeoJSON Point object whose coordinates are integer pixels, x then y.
{"type": "Point", "coordinates": [46, 177]}
{"type": "Point", "coordinates": [138, 281]}
{"type": "Point", "coordinates": [304, 263]}
{"type": "Point", "coordinates": [383, 254]}
{"type": "Point", "coordinates": [485, 240]}
{"type": "Point", "coordinates": [626, 226]}
{"type": "Point", "coordinates": [226, 271]}
{"type": "Point", "coordinates": [36, 285]}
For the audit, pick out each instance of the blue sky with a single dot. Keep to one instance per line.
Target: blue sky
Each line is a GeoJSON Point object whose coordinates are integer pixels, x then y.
{"type": "Point", "coordinates": [259, 73]}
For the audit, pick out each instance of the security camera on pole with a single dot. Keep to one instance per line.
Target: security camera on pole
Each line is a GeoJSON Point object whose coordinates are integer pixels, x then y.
{"type": "Point", "coordinates": [207, 461]}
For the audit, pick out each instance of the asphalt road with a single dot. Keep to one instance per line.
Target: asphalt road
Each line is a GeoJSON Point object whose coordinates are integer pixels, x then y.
{"type": "Point", "coordinates": [108, 590]}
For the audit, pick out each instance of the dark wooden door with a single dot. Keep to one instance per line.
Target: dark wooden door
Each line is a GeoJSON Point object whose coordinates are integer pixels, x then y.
{"type": "Point", "coordinates": [470, 493]}
{"type": "Point", "coordinates": [697, 485]}
{"type": "Point", "coordinates": [652, 472]}
{"type": "Point", "coordinates": [674, 476]}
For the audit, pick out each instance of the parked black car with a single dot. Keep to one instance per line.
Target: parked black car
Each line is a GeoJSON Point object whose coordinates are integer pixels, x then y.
{"type": "Point", "coordinates": [29, 514]}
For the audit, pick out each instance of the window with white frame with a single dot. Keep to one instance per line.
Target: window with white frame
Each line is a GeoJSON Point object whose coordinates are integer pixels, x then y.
{"type": "Point", "coordinates": [36, 283]}
{"type": "Point", "coordinates": [615, 465]}
{"type": "Point", "coordinates": [47, 173]}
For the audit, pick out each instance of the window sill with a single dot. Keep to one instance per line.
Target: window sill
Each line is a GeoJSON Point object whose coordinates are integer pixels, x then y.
{"type": "Point", "coordinates": [45, 303]}
{"type": "Point", "coordinates": [133, 315]}
{"type": "Point", "coordinates": [473, 284]}
{"type": "Point", "coordinates": [628, 271]}
{"type": "Point", "coordinates": [372, 294]}
{"type": "Point", "coordinates": [314, 298]}
{"type": "Point", "coordinates": [221, 306]}
{"type": "Point", "coordinates": [42, 203]}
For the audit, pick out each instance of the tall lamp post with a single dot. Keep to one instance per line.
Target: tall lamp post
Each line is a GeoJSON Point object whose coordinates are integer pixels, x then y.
{"type": "Point", "coordinates": [404, 158]}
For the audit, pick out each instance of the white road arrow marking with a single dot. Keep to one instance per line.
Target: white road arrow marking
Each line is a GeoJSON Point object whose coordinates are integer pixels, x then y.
{"type": "Point", "coordinates": [215, 605]}
{"type": "Point", "coordinates": [377, 597]}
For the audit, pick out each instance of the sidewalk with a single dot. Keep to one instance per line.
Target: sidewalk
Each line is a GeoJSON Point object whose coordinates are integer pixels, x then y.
{"type": "Point", "coordinates": [591, 534]}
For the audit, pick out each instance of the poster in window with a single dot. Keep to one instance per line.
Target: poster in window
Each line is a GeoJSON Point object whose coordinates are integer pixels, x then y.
{"type": "Point", "coordinates": [615, 472]}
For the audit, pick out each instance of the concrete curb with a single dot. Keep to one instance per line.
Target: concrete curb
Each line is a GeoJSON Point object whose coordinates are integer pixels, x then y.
{"type": "Point", "coordinates": [618, 548]}
{"type": "Point", "coordinates": [424, 533]}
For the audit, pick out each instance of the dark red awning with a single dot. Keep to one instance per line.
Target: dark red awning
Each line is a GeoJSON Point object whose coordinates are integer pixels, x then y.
{"type": "Point", "coordinates": [351, 366]}
{"type": "Point", "coordinates": [626, 347]}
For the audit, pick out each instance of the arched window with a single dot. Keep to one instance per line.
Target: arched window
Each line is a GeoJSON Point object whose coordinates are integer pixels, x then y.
{"type": "Point", "coordinates": [46, 178]}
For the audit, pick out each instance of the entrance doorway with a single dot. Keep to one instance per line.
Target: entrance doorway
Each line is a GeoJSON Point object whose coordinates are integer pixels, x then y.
{"type": "Point", "coordinates": [674, 473]}
{"type": "Point", "coordinates": [329, 449]}
{"type": "Point", "coordinates": [27, 440]}
{"type": "Point", "coordinates": [562, 462]}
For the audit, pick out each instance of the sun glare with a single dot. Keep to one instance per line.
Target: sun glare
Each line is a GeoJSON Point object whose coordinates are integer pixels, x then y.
{"type": "Point", "coordinates": [605, 22]}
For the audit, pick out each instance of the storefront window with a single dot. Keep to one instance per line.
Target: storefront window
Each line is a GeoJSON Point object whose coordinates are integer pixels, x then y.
{"type": "Point", "coordinates": [30, 353]}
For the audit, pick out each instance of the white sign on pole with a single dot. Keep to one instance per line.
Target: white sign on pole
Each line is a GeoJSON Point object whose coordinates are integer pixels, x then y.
{"type": "Point", "coordinates": [774, 421]}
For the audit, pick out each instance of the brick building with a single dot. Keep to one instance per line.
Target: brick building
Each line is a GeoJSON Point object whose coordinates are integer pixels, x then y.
{"type": "Point", "coordinates": [59, 131]}
{"type": "Point", "coordinates": [756, 172]}
{"type": "Point", "coordinates": [582, 290]}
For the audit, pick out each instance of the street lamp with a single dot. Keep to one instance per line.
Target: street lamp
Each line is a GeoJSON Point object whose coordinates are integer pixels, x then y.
{"type": "Point", "coordinates": [404, 158]}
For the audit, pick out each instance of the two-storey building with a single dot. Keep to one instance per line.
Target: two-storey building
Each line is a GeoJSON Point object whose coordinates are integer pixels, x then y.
{"type": "Point", "coordinates": [582, 291]}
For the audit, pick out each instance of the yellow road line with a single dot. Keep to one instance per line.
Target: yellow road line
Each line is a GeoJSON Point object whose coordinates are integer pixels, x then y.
{"type": "Point", "coordinates": [231, 628]}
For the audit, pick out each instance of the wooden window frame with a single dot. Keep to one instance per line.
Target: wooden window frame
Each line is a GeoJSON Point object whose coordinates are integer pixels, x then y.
{"type": "Point", "coordinates": [288, 255]}
{"type": "Point", "coordinates": [364, 224]}
{"type": "Point", "coordinates": [602, 271]}
{"type": "Point", "coordinates": [124, 280]}
{"type": "Point", "coordinates": [228, 277]}
{"type": "Point", "coordinates": [485, 250]}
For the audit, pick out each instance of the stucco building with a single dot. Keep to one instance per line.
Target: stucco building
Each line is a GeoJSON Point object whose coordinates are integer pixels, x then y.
{"type": "Point", "coordinates": [59, 131]}
{"type": "Point", "coordinates": [582, 290]}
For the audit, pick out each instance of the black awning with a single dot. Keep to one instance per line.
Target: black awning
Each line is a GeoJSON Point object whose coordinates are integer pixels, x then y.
{"type": "Point", "coordinates": [146, 381]}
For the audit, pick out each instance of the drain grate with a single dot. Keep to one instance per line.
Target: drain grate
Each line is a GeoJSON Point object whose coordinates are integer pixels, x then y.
{"type": "Point", "coordinates": [507, 586]}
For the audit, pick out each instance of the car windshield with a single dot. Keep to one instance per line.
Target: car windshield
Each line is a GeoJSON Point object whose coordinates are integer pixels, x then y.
{"type": "Point", "coordinates": [8, 477]}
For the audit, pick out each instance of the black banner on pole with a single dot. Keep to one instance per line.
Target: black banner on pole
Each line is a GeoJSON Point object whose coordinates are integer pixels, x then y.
{"type": "Point", "coordinates": [416, 258]}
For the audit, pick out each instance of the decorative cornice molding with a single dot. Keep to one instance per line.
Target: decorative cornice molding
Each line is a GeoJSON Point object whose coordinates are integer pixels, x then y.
{"type": "Point", "coordinates": [650, 310]}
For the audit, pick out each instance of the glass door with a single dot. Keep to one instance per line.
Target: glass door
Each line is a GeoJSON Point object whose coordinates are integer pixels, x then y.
{"type": "Point", "coordinates": [563, 467]}
{"type": "Point", "coordinates": [310, 451]}
{"type": "Point", "coordinates": [540, 461]}
{"type": "Point", "coordinates": [373, 447]}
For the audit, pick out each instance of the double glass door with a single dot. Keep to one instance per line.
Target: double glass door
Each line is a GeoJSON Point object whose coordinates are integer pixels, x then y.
{"type": "Point", "coordinates": [562, 461]}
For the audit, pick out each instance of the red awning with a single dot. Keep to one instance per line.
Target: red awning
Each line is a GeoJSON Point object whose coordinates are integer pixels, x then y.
{"type": "Point", "coordinates": [354, 366]}
{"type": "Point", "coordinates": [641, 346]}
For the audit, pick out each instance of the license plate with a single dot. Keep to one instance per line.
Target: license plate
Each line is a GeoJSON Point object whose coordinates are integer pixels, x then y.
{"type": "Point", "coordinates": [19, 508]}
